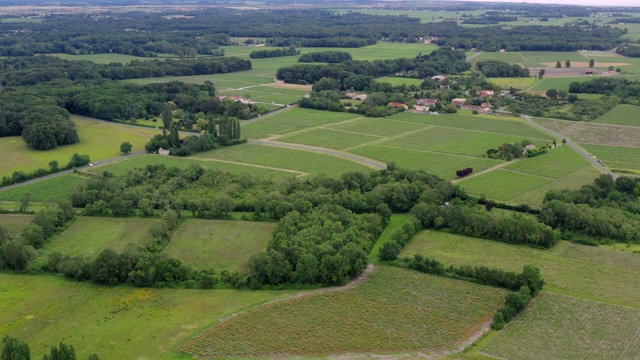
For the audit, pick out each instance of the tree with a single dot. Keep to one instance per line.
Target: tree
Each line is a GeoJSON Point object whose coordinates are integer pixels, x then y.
{"type": "Point", "coordinates": [541, 73]}
{"type": "Point", "coordinates": [552, 94]}
{"type": "Point", "coordinates": [62, 352]}
{"type": "Point", "coordinates": [53, 165]}
{"type": "Point", "coordinates": [25, 200]}
{"type": "Point", "coordinates": [558, 65]}
{"type": "Point", "coordinates": [14, 349]}
{"type": "Point", "coordinates": [125, 148]}
{"type": "Point", "coordinates": [567, 64]}
{"type": "Point", "coordinates": [167, 117]}
{"type": "Point", "coordinates": [592, 63]}
{"type": "Point", "coordinates": [16, 255]}
{"type": "Point", "coordinates": [390, 251]}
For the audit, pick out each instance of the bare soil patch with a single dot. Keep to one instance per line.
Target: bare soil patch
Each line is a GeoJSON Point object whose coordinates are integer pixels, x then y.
{"type": "Point", "coordinates": [290, 86]}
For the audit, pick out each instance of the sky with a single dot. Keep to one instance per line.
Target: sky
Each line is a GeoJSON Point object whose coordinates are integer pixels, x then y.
{"type": "Point", "coordinates": [576, 2]}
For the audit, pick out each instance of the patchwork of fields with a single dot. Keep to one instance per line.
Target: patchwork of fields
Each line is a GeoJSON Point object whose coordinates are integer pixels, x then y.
{"type": "Point", "coordinates": [395, 310]}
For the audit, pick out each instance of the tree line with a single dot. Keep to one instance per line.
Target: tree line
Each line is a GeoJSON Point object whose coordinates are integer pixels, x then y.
{"type": "Point", "coordinates": [501, 69]}
{"type": "Point", "coordinates": [23, 71]}
{"type": "Point", "coordinates": [262, 54]}
{"type": "Point", "coordinates": [16, 349]}
{"type": "Point", "coordinates": [332, 57]}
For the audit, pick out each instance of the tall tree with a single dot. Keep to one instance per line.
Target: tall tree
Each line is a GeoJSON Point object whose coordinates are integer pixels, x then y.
{"type": "Point", "coordinates": [567, 64]}
{"type": "Point", "coordinates": [63, 352]}
{"type": "Point", "coordinates": [14, 349]}
{"type": "Point", "coordinates": [167, 117]}
{"type": "Point", "coordinates": [558, 64]}
{"type": "Point", "coordinates": [125, 148]}
{"type": "Point", "coordinates": [592, 63]}
{"type": "Point", "coordinates": [541, 73]}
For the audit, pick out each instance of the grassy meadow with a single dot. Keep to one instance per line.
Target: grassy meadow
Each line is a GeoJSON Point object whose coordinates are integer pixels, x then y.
{"type": "Point", "coordinates": [87, 236]}
{"type": "Point", "coordinates": [57, 188]}
{"type": "Point", "coordinates": [15, 223]}
{"type": "Point", "coordinates": [19, 157]}
{"type": "Point", "coordinates": [219, 245]}
{"type": "Point", "coordinates": [598, 273]}
{"type": "Point", "coordinates": [621, 115]}
{"type": "Point", "coordinates": [395, 310]}
{"type": "Point", "coordinates": [114, 322]}
{"type": "Point", "coordinates": [590, 329]}
{"type": "Point", "coordinates": [616, 157]}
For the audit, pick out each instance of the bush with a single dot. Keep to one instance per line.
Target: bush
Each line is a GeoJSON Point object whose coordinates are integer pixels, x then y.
{"type": "Point", "coordinates": [390, 251]}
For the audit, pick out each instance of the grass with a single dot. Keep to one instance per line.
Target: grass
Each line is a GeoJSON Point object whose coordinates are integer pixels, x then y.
{"type": "Point", "coordinates": [621, 115]}
{"type": "Point", "coordinates": [14, 223]}
{"type": "Point", "coordinates": [100, 140]}
{"type": "Point", "coordinates": [397, 81]}
{"type": "Point", "coordinates": [590, 329]}
{"type": "Point", "coordinates": [501, 184]}
{"type": "Point", "coordinates": [291, 120]}
{"type": "Point", "coordinates": [329, 138]}
{"type": "Point", "coordinates": [396, 221]}
{"type": "Point", "coordinates": [531, 58]}
{"type": "Point", "coordinates": [87, 236]}
{"type": "Point", "coordinates": [57, 188]}
{"type": "Point", "coordinates": [517, 83]}
{"type": "Point", "coordinates": [617, 157]}
{"type": "Point", "coordinates": [377, 126]}
{"type": "Point", "coordinates": [123, 167]}
{"type": "Point", "coordinates": [556, 163]}
{"type": "Point", "coordinates": [221, 245]}
{"type": "Point", "coordinates": [567, 268]}
{"type": "Point", "coordinates": [113, 322]}
{"type": "Point", "coordinates": [455, 141]}
{"type": "Point", "coordinates": [573, 180]}
{"type": "Point", "coordinates": [487, 123]}
{"type": "Point", "coordinates": [297, 160]}
{"type": "Point", "coordinates": [559, 83]}
{"type": "Point", "coordinates": [395, 310]}
{"type": "Point", "coordinates": [442, 165]}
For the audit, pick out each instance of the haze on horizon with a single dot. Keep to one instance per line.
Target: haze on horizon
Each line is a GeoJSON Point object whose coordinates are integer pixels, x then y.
{"type": "Point", "coordinates": [634, 3]}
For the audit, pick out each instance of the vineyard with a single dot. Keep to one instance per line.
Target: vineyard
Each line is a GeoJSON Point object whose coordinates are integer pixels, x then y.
{"type": "Point", "coordinates": [395, 310]}
{"type": "Point", "coordinates": [562, 327]}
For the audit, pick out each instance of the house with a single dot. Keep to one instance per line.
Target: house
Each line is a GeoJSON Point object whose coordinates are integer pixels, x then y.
{"type": "Point", "coordinates": [354, 96]}
{"type": "Point", "coordinates": [529, 147]}
{"type": "Point", "coordinates": [502, 50]}
{"type": "Point", "coordinates": [427, 102]}
{"type": "Point", "coordinates": [485, 93]}
{"type": "Point", "coordinates": [505, 92]}
{"type": "Point", "coordinates": [438, 78]}
{"type": "Point", "coordinates": [162, 151]}
{"type": "Point", "coordinates": [486, 105]}
{"type": "Point", "coordinates": [458, 101]}
{"type": "Point", "coordinates": [422, 109]}
{"type": "Point", "coordinates": [398, 105]}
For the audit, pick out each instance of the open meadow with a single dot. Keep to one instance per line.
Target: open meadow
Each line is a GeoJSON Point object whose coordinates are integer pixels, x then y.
{"type": "Point", "coordinates": [621, 115]}
{"type": "Point", "coordinates": [597, 273]}
{"type": "Point", "coordinates": [616, 157]}
{"type": "Point", "coordinates": [395, 310]}
{"type": "Point", "coordinates": [593, 133]}
{"type": "Point", "coordinates": [14, 223]}
{"type": "Point", "coordinates": [87, 236]}
{"type": "Point", "coordinates": [564, 327]}
{"type": "Point", "coordinates": [93, 142]}
{"type": "Point", "coordinates": [219, 245]}
{"type": "Point", "coordinates": [57, 188]}
{"type": "Point", "coordinates": [114, 322]}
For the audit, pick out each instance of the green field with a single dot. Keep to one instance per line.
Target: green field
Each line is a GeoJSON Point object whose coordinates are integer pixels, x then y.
{"type": "Point", "coordinates": [440, 164]}
{"type": "Point", "coordinates": [558, 83]}
{"type": "Point", "coordinates": [531, 58]}
{"type": "Point", "coordinates": [501, 184]}
{"type": "Point", "coordinates": [456, 141]}
{"type": "Point", "coordinates": [573, 180]}
{"type": "Point", "coordinates": [567, 268]}
{"type": "Point", "coordinates": [57, 188]}
{"type": "Point", "coordinates": [397, 81]}
{"type": "Point", "coordinates": [589, 330]}
{"type": "Point", "coordinates": [19, 157]}
{"type": "Point", "coordinates": [516, 83]}
{"type": "Point", "coordinates": [486, 123]}
{"type": "Point", "coordinates": [556, 163]}
{"type": "Point", "coordinates": [124, 166]}
{"type": "Point", "coordinates": [616, 157]}
{"type": "Point", "coordinates": [621, 115]}
{"type": "Point", "coordinates": [287, 159]}
{"type": "Point", "coordinates": [332, 139]}
{"type": "Point", "coordinates": [377, 126]}
{"type": "Point", "coordinates": [291, 120]}
{"type": "Point", "coordinates": [219, 245]}
{"type": "Point", "coordinates": [14, 223]}
{"type": "Point", "coordinates": [87, 236]}
{"type": "Point", "coordinates": [395, 310]}
{"type": "Point", "coordinates": [114, 322]}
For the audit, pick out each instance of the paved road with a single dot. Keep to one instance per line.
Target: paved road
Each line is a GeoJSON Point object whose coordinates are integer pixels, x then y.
{"type": "Point", "coordinates": [104, 162]}
{"type": "Point", "coordinates": [358, 159]}
{"type": "Point", "coordinates": [571, 144]}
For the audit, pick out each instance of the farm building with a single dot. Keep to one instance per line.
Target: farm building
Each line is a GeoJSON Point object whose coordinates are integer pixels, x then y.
{"type": "Point", "coordinates": [485, 93]}
{"type": "Point", "coordinates": [438, 78]}
{"type": "Point", "coordinates": [458, 101]}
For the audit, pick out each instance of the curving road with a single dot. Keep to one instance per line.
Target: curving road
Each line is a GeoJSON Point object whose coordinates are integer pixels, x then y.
{"type": "Point", "coordinates": [575, 147]}
{"type": "Point", "coordinates": [362, 160]}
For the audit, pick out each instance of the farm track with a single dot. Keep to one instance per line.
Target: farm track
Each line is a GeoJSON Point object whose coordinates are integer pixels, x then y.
{"type": "Point", "coordinates": [575, 147]}
{"type": "Point", "coordinates": [299, 173]}
{"type": "Point", "coordinates": [355, 158]}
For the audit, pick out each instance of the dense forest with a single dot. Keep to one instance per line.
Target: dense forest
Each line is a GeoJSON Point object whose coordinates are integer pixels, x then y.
{"type": "Point", "coordinates": [17, 71]}
{"type": "Point", "coordinates": [501, 69]}
{"type": "Point", "coordinates": [332, 57]}
{"type": "Point", "coordinates": [201, 32]}
{"type": "Point", "coordinates": [262, 54]}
